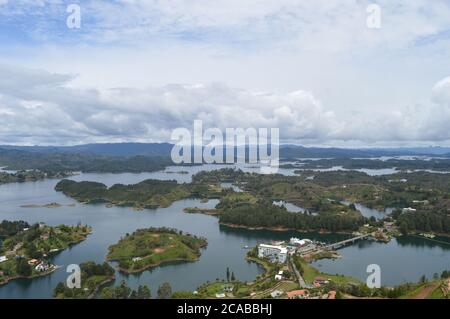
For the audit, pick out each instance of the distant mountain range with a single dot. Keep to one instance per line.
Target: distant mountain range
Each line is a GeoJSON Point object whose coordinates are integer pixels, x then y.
{"type": "Point", "coordinates": [106, 149]}
{"type": "Point", "coordinates": [286, 151]}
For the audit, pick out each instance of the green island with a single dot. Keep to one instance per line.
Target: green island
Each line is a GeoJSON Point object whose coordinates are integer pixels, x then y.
{"type": "Point", "coordinates": [146, 194]}
{"type": "Point", "coordinates": [25, 249]}
{"type": "Point", "coordinates": [30, 176]}
{"type": "Point", "coordinates": [151, 247]}
{"type": "Point", "coordinates": [93, 278]}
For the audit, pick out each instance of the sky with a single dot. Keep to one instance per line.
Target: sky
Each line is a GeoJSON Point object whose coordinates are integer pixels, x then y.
{"type": "Point", "coordinates": [137, 69]}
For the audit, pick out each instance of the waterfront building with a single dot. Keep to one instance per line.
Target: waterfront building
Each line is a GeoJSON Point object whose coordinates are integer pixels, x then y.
{"type": "Point", "coordinates": [299, 242]}
{"type": "Point", "coordinates": [274, 253]}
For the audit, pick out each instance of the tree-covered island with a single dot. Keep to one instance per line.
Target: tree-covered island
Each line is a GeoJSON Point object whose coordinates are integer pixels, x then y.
{"type": "Point", "coordinates": [146, 248]}
{"type": "Point", "coordinates": [146, 194]}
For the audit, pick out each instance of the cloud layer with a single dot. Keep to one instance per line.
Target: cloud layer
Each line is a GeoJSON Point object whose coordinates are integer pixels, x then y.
{"type": "Point", "coordinates": [39, 107]}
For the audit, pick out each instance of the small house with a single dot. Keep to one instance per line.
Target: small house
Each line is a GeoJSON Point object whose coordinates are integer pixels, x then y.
{"type": "Point", "coordinates": [298, 294]}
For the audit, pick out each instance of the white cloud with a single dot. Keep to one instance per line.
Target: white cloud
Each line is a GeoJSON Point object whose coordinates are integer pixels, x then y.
{"type": "Point", "coordinates": [39, 107]}
{"type": "Point", "coordinates": [441, 92]}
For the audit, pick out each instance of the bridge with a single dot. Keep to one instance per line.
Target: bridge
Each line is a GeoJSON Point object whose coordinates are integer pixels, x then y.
{"type": "Point", "coordinates": [346, 242]}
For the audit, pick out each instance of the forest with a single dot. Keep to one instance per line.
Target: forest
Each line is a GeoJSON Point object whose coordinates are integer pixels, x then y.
{"type": "Point", "coordinates": [266, 215]}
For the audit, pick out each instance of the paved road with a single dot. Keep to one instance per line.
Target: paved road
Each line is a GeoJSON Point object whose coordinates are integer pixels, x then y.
{"type": "Point", "coordinates": [301, 281]}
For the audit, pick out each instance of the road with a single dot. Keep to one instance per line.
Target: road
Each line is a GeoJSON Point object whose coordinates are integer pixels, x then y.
{"type": "Point", "coordinates": [300, 279]}
{"type": "Point", "coordinates": [423, 293]}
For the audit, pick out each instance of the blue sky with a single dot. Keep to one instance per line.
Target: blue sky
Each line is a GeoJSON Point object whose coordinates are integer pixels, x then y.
{"type": "Point", "coordinates": [137, 69]}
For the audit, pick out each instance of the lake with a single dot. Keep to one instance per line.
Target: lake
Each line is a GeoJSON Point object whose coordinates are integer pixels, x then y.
{"type": "Point", "coordinates": [404, 258]}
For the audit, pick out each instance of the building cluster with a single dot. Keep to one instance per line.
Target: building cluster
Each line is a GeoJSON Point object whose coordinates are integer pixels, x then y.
{"type": "Point", "coordinates": [278, 252]}
{"type": "Point", "coordinates": [226, 289]}
{"type": "Point", "coordinates": [303, 294]}
{"type": "Point", "coordinates": [275, 253]}
{"type": "Point", "coordinates": [40, 266]}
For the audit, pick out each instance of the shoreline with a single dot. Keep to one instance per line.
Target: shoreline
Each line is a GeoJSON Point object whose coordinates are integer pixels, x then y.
{"type": "Point", "coordinates": [283, 229]}
{"type": "Point", "coordinates": [100, 286]}
{"type": "Point", "coordinates": [56, 252]}
{"type": "Point", "coordinates": [204, 211]}
{"type": "Point", "coordinates": [144, 268]}
{"type": "Point", "coordinates": [46, 273]}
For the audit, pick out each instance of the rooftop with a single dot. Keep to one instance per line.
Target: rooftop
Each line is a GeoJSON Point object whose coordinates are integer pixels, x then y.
{"type": "Point", "coordinates": [282, 249]}
{"type": "Point", "coordinates": [295, 293]}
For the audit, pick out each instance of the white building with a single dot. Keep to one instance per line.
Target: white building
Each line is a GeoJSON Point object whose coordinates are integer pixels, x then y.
{"type": "Point", "coordinates": [279, 276]}
{"type": "Point", "coordinates": [299, 242]}
{"type": "Point", "coordinates": [276, 293]}
{"type": "Point", "coordinates": [274, 253]}
{"type": "Point", "coordinates": [3, 258]}
{"type": "Point", "coordinates": [42, 267]}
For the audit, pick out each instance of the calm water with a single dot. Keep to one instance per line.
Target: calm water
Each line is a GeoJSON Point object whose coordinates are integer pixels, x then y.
{"type": "Point", "coordinates": [225, 248]}
{"type": "Point", "coordinates": [370, 212]}
{"type": "Point", "coordinates": [403, 259]}
{"type": "Point", "coordinates": [293, 208]}
{"type": "Point", "coordinates": [289, 206]}
{"type": "Point", "coordinates": [368, 171]}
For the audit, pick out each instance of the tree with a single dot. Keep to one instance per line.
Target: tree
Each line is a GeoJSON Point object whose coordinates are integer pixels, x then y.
{"type": "Point", "coordinates": [107, 293]}
{"type": "Point", "coordinates": [32, 251]}
{"type": "Point", "coordinates": [403, 228]}
{"type": "Point", "coordinates": [144, 292]}
{"type": "Point", "coordinates": [164, 291]}
{"type": "Point", "coordinates": [59, 289]}
{"type": "Point", "coordinates": [23, 268]}
{"type": "Point", "coordinates": [134, 295]}
{"type": "Point", "coordinates": [122, 291]}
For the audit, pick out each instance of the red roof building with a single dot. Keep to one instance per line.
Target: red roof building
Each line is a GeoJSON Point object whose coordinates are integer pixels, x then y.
{"type": "Point", "coordinates": [296, 294]}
